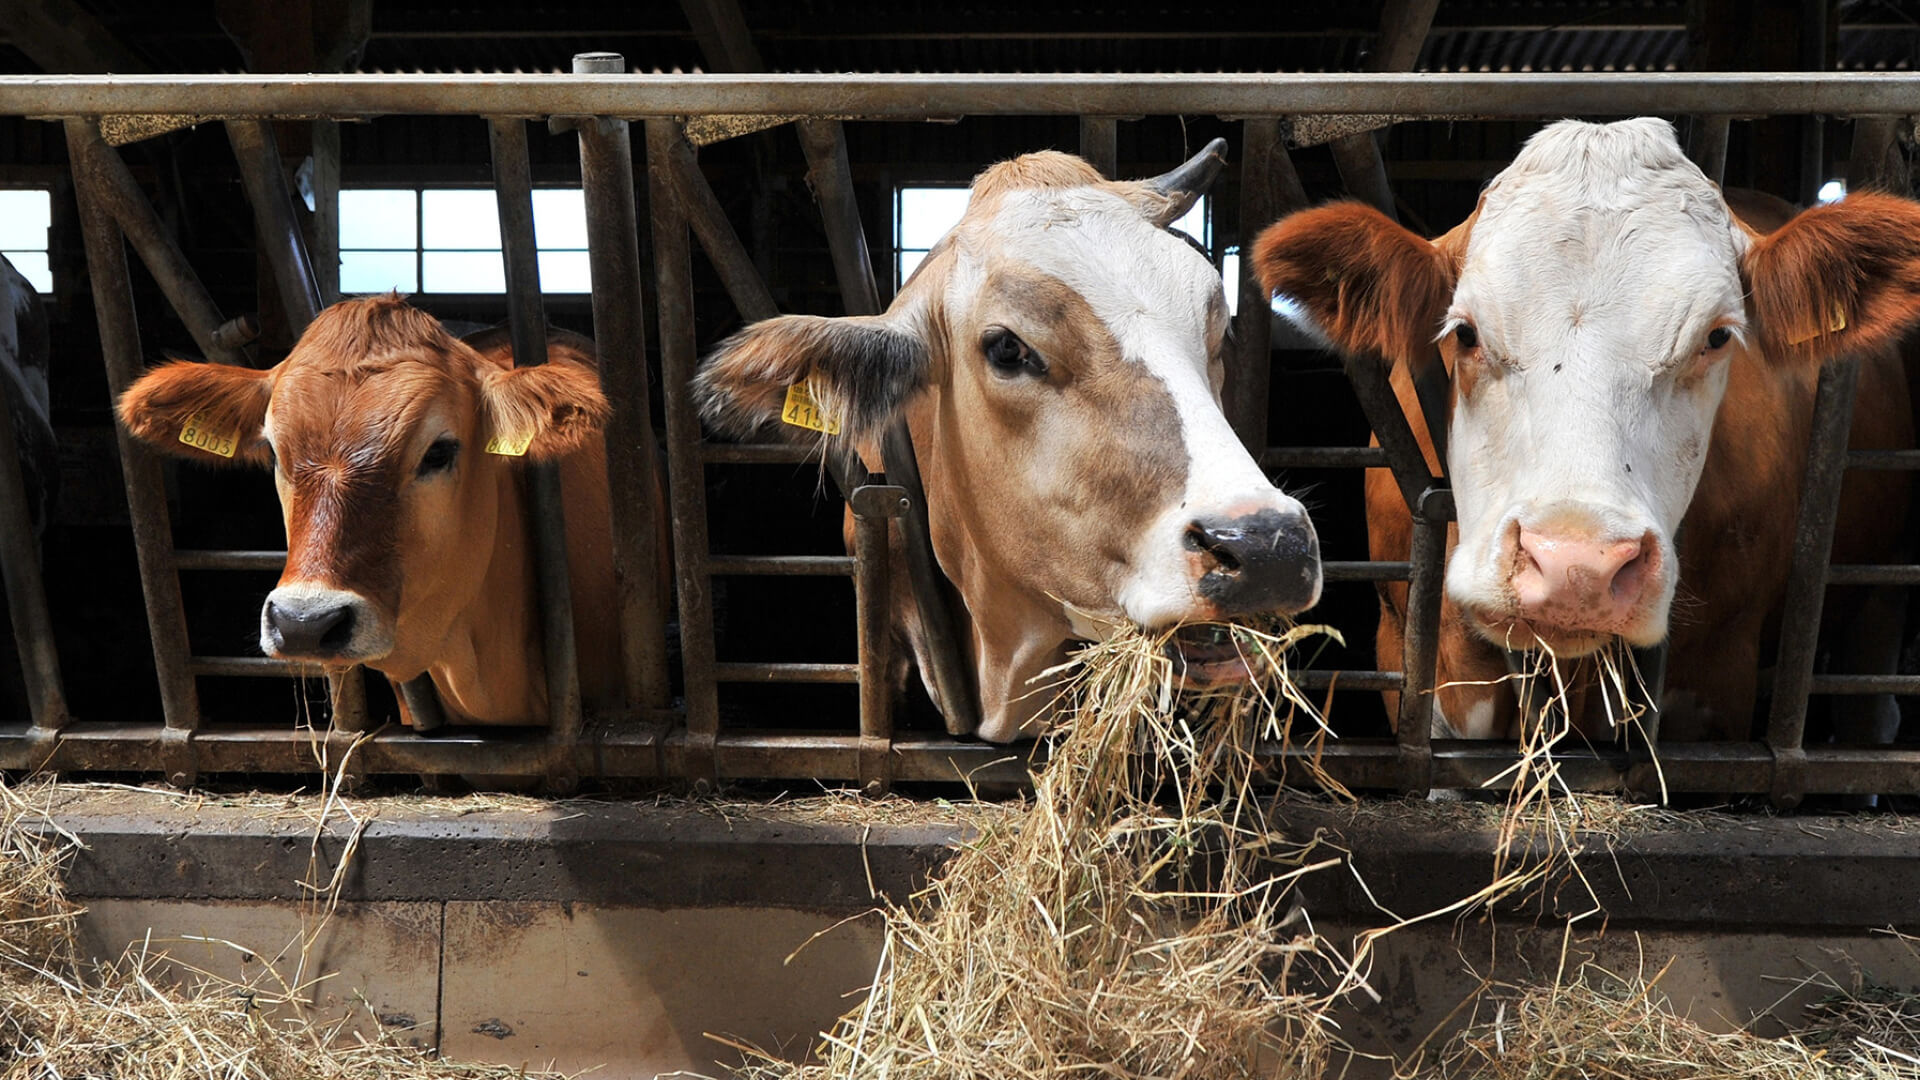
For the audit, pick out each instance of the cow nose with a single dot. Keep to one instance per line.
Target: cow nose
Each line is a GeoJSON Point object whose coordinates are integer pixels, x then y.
{"type": "Point", "coordinates": [317, 632]}
{"type": "Point", "coordinates": [1268, 561]}
{"type": "Point", "coordinates": [1580, 583]}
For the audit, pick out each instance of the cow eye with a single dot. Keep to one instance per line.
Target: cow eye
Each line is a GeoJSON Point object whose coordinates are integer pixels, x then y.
{"type": "Point", "coordinates": [439, 457]}
{"type": "Point", "coordinates": [1011, 356]}
{"type": "Point", "coordinates": [1467, 336]}
{"type": "Point", "coordinates": [1719, 337]}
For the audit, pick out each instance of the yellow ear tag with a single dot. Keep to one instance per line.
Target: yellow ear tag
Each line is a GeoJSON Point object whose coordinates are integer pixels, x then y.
{"type": "Point", "coordinates": [196, 435]}
{"type": "Point", "coordinates": [510, 448]}
{"type": "Point", "coordinates": [1836, 322]}
{"type": "Point", "coordinates": [803, 411]}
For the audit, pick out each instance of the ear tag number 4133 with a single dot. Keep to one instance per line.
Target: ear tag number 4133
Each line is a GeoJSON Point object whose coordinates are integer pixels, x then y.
{"type": "Point", "coordinates": [803, 411]}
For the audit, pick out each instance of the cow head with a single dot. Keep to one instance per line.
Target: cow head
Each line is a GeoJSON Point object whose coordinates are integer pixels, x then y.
{"type": "Point", "coordinates": [1059, 357]}
{"type": "Point", "coordinates": [391, 444]}
{"type": "Point", "coordinates": [1588, 313]}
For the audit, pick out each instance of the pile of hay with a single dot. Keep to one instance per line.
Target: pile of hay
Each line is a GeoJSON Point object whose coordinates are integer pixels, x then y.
{"type": "Point", "coordinates": [1135, 922]}
{"type": "Point", "coordinates": [63, 1018]}
{"type": "Point", "coordinates": [1605, 1025]}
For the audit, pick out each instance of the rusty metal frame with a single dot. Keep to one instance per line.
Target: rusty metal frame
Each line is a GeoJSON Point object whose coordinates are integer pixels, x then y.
{"type": "Point", "coordinates": [681, 207]}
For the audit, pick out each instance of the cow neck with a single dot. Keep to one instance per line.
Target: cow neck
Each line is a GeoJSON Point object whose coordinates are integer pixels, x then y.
{"type": "Point", "coordinates": [492, 669]}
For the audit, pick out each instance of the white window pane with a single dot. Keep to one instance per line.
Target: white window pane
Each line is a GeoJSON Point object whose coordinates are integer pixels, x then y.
{"type": "Point", "coordinates": [926, 214]}
{"type": "Point", "coordinates": [1230, 277]}
{"type": "Point", "coordinates": [33, 266]}
{"type": "Point", "coordinates": [24, 217]}
{"type": "Point", "coordinates": [464, 272]}
{"type": "Point", "coordinates": [559, 218]}
{"type": "Point", "coordinates": [377, 218]}
{"type": "Point", "coordinates": [459, 219]}
{"type": "Point", "coordinates": [1194, 223]}
{"type": "Point", "coordinates": [909, 261]}
{"type": "Point", "coordinates": [377, 271]}
{"type": "Point", "coordinates": [565, 272]}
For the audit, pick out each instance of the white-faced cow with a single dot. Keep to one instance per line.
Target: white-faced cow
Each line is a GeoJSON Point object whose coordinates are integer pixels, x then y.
{"type": "Point", "coordinates": [1058, 359]}
{"type": "Point", "coordinates": [395, 448]}
{"type": "Point", "coordinates": [1626, 353]}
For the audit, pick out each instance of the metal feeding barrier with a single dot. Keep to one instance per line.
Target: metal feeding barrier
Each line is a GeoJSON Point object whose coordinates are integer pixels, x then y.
{"type": "Point", "coordinates": [655, 738]}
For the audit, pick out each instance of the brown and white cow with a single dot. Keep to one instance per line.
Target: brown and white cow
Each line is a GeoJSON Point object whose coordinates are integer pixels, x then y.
{"type": "Point", "coordinates": [396, 450]}
{"type": "Point", "coordinates": [1626, 353]}
{"type": "Point", "coordinates": [1058, 359]}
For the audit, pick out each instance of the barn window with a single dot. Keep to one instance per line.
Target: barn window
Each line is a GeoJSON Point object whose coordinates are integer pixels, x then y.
{"type": "Point", "coordinates": [447, 240]}
{"type": "Point", "coordinates": [922, 215]}
{"type": "Point", "coordinates": [26, 214]}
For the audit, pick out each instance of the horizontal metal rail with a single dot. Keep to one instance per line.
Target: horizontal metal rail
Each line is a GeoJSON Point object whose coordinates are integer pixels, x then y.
{"type": "Point", "coordinates": [788, 565]}
{"type": "Point", "coordinates": [940, 96]}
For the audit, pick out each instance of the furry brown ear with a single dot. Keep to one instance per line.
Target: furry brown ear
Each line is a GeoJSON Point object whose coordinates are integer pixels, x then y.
{"type": "Point", "coordinates": [1839, 278]}
{"type": "Point", "coordinates": [546, 411]}
{"type": "Point", "coordinates": [860, 369]}
{"type": "Point", "coordinates": [1370, 285]}
{"type": "Point", "coordinates": [210, 413]}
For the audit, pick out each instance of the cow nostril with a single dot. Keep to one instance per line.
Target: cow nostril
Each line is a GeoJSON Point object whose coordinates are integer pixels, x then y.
{"type": "Point", "coordinates": [1201, 538]}
{"type": "Point", "coordinates": [340, 634]}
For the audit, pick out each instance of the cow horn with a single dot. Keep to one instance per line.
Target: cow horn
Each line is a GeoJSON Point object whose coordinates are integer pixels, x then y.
{"type": "Point", "coordinates": [1184, 185]}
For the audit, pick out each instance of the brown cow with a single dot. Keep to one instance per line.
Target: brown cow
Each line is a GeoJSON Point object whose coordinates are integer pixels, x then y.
{"type": "Point", "coordinates": [395, 448]}
{"type": "Point", "coordinates": [1625, 352]}
{"type": "Point", "coordinates": [1058, 358]}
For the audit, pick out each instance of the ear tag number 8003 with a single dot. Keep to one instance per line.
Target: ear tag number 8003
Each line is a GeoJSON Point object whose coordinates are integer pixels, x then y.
{"type": "Point", "coordinates": [196, 435]}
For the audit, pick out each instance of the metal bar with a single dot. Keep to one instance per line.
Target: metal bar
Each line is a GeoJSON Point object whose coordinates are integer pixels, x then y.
{"type": "Point", "coordinates": [1867, 160]}
{"type": "Point", "coordinates": [1326, 457]}
{"type": "Point", "coordinates": [1369, 377]}
{"type": "Point", "coordinates": [423, 704]}
{"type": "Point", "coordinates": [620, 333]}
{"type": "Point", "coordinates": [1421, 645]}
{"type": "Point", "coordinates": [1862, 574]}
{"type": "Point", "coordinates": [1350, 680]}
{"type": "Point", "coordinates": [673, 289]}
{"type": "Point", "coordinates": [1907, 460]}
{"type": "Point", "coordinates": [265, 561]}
{"type": "Point", "coordinates": [718, 239]}
{"type": "Point", "coordinates": [1263, 158]}
{"type": "Point", "coordinates": [26, 588]}
{"type": "Point", "coordinates": [831, 178]}
{"type": "Point", "coordinates": [757, 453]}
{"type": "Point", "coordinates": [146, 489]}
{"type": "Point", "coordinates": [756, 672]}
{"type": "Point", "coordinates": [1365, 571]}
{"type": "Point", "coordinates": [527, 318]}
{"type": "Point", "coordinates": [1806, 581]}
{"type": "Point", "coordinates": [927, 96]}
{"type": "Point", "coordinates": [326, 209]}
{"type": "Point", "coordinates": [781, 565]}
{"type": "Point", "coordinates": [347, 691]}
{"type": "Point", "coordinates": [873, 507]}
{"type": "Point", "coordinates": [1707, 144]}
{"type": "Point", "coordinates": [1099, 144]}
{"type": "Point", "coordinates": [251, 667]}
{"type": "Point", "coordinates": [1864, 684]}
{"type": "Point", "coordinates": [278, 232]}
{"type": "Point", "coordinates": [121, 195]}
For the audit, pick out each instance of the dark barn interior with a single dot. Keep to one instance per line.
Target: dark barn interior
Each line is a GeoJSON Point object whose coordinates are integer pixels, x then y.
{"type": "Point", "coordinates": [1432, 173]}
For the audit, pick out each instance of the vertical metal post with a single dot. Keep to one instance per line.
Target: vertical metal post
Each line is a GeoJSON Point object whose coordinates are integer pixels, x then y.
{"type": "Point", "coordinates": [326, 209]}
{"type": "Point", "coordinates": [872, 506]}
{"type": "Point", "coordinates": [26, 590]}
{"type": "Point", "coordinates": [673, 288]}
{"type": "Point", "coordinates": [1269, 187]}
{"type": "Point", "coordinates": [1707, 144]}
{"type": "Point", "coordinates": [1807, 579]}
{"type": "Point", "coordinates": [620, 333]}
{"type": "Point", "coordinates": [708, 218]}
{"type": "Point", "coordinates": [1099, 143]}
{"type": "Point", "coordinates": [278, 231]}
{"type": "Point", "coordinates": [513, 190]}
{"type": "Point", "coordinates": [146, 492]}
{"type": "Point", "coordinates": [347, 690]}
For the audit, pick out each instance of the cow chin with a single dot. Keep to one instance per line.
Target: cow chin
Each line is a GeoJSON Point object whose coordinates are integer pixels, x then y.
{"type": "Point", "coordinates": [1563, 642]}
{"type": "Point", "coordinates": [309, 623]}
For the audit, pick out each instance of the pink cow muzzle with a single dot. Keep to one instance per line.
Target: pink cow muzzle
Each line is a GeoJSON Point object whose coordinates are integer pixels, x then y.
{"type": "Point", "coordinates": [1572, 582]}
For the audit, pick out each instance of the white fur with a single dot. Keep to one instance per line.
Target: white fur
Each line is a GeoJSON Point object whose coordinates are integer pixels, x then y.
{"type": "Point", "coordinates": [1159, 313]}
{"type": "Point", "coordinates": [1601, 260]}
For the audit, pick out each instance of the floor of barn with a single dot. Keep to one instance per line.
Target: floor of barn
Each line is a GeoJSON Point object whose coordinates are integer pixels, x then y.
{"type": "Point", "coordinates": [620, 936]}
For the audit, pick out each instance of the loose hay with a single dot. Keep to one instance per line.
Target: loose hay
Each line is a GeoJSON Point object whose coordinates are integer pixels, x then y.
{"type": "Point", "coordinates": [62, 1018]}
{"type": "Point", "coordinates": [1135, 922]}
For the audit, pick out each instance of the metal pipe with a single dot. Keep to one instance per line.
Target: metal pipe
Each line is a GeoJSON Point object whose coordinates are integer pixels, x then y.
{"type": "Point", "coordinates": [781, 565]}
{"type": "Point", "coordinates": [1326, 457]}
{"type": "Point", "coordinates": [1421, 645]}
{"type": "Point", "coordinates": [423, 704]}
{"type": "Point", "coordinates": [873, 506]}
{"type": "Point", "coordinates": [747, 671]}
{"type": "Point", "coordinates": [263, 561]}
{"type": "Point", "coordinates": [1365, 571]}
{"type": "Point", "coordinates": [1867, 159]}
{"type": "Point", "coordinates": [146, 490]}
{"type": "Point", "coordinates": [928, 96]}
{"type": "Point", "coordinates": [1807, 579]}
{"type": "Point", "coordinates": [673, 289]}
{"type": "Point", "coordinates": [278, 232]}
{"type": "Point", "coordinates": [620, 332]}
{"type": "Point", "coordinates": [831, 178]}
{"type": "Point", "coordinates": [1368, 374]}
{"type": "Point", "coordinates": [1262, 201]}
{"type": "Point", "coordinates": [1707, 144]}
{"type": "Point", "coordinates": [26, 588]}
{"type": "Point", "coordinates": [1099, 143]}
{"type": "Point", "coordinates": [347, 691]}
{"type": "Point", "coordinates": [527, 318]}
{"type": "Point", "coordinates": [717, 238]}
{"type": "Point", "coordinates": [156, 246]}
{"type": "Point", "coordinates": [1863, 574]}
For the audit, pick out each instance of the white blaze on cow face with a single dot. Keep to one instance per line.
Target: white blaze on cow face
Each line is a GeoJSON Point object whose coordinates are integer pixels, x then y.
{"type": "Point", "coordinates": [1597, 304]}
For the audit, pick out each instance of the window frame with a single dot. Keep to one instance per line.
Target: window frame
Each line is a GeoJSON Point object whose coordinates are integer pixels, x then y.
{"type": "Point", "coordinates": [53, 279]}
{"type": "Point", "coordinates": [419, 187]}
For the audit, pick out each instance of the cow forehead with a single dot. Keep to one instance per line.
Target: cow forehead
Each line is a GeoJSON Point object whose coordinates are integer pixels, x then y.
{"type": "Point", "coordinates": [359, 412]}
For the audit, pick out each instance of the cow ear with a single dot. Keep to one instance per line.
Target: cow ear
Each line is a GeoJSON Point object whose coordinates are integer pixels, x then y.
{"type": "Point", "coordinates": [545, 411]}
{"type": "Point", "coordinates": [1839, 278]}
{"type": "Point", "coordinates": [211, 413]}
{"type": "Point", "coordinates": [1369, 285]}
{"type": "Point", "coordinates": [859, 372]}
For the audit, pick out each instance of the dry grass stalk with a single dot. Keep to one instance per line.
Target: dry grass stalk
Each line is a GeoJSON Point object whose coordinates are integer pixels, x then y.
{"type": "Point", "coordinates": [1135, 922]}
